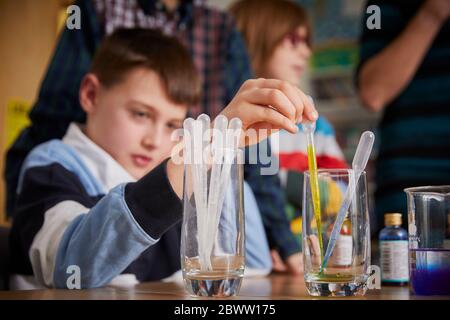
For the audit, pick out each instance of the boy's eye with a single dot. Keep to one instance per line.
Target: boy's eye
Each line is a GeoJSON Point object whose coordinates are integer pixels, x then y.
{"type": "Point", "coordinates": [141, 114]}
{"type": "Point", "coordinates": [173, 126]}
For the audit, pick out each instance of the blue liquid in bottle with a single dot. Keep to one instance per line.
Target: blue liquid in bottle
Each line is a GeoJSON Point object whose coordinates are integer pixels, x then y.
{"type": "Point", "coordinates": [393, 243]}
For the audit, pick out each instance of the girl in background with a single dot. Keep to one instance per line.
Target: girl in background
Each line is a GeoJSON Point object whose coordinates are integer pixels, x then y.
{"type": "Point", "coordinates": [278, 38]}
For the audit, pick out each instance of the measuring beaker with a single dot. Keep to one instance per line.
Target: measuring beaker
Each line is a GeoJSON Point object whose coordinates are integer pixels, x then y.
{"type": "Point", "coordinates": [429, 239]}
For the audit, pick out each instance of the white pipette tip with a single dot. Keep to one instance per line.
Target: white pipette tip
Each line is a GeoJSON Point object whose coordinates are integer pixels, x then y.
{"type": "Point", "coordinates": [187, 123]}
{"type": "Point", "coordinates": [204, 121]}
{"type": "Point", "coordinates": [221, 118]}
{"type": "Point", "coordinates": [204, 118]}
{"type": "Point", "coordinates": [309, 126]}
{"type": "Point", "coordinates": [363, 150]}
{"type": "Point", "coordinates": [204, 124]}
{"type": "Point", "coordinates": [235, 123]}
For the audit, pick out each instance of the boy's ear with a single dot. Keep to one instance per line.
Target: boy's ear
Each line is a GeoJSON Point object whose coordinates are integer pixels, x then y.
{"type": "Point", "coordinates": [89, 90]}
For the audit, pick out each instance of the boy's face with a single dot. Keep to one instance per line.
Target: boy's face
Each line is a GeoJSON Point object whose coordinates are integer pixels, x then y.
{"type": "Point", "coordinates": [132, 120]}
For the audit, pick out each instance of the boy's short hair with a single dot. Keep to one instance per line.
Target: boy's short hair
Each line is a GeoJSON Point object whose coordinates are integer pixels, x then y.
{"type": "Point", "coordinates": [127, 49]}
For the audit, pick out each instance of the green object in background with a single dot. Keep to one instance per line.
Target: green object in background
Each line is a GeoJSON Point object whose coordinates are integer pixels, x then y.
{"type": "Point", "coordinates": [336, 55]}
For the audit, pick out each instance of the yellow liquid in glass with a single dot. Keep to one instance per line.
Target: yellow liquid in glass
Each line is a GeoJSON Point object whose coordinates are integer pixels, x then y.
{"type": "Point", "coordinates": [331, 278]}
{"type": "Point", "coordinates": [314, 183]}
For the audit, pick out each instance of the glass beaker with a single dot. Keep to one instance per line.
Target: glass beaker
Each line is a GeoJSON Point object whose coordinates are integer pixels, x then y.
{"type": "Point", "coordinates": [429, 240]}
{"type": "Point", "coordinates": [347, 271]}
{"type": "Point", "coordinates": [212, 240]}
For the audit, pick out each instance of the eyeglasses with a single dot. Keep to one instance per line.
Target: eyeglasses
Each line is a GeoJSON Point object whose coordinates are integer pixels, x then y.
{"type": "Point", "coordinates": [295, 39]}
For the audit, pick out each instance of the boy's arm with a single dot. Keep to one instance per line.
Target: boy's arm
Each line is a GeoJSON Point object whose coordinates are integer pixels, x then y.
{"type": "Point", "coordinates": [63, 229]}
{"type": "Point", "coordinates": [57, 104]}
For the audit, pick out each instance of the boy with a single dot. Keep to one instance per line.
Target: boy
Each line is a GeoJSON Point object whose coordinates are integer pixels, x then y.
{"type": "Point", "coordinates": [79, 202]}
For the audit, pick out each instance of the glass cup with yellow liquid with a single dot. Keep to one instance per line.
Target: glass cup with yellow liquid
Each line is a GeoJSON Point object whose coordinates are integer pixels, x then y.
{"type": "Point", "coordinates": [347, 270]}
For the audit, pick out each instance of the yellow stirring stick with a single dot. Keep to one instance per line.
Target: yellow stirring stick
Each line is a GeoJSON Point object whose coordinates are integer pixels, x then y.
{"type": "Point", "coordinates": [309, 128]}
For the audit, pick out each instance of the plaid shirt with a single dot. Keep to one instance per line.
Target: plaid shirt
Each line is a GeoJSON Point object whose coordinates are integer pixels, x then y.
{"type": "Point", "coordinates": [219, 54]}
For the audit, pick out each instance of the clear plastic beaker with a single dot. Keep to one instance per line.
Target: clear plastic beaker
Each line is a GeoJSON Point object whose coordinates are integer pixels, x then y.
{"type": "Point", "coordinates": [347, 271]}
{"type": "Point", "coordinates": [213, 238]}
{"type": "Point", "coordinates": [429, 240]}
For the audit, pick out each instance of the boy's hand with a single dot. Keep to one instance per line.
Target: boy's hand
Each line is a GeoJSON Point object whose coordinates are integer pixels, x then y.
{"type": "Point", "coordinates": [269, 104]}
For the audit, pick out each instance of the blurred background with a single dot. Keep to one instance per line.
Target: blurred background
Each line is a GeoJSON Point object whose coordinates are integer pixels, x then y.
{"type": "Point", "coordinates": [29, 30]}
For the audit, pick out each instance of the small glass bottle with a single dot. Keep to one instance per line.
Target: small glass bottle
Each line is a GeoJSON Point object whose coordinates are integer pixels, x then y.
{"type": "Point", "coordinates": [343, 250]}
{"type": "Point", "coordinates": [394, 251]}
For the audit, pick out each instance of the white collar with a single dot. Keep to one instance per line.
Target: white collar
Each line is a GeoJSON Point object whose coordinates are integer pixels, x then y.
{"type": "Point", "coordinates": [100, 163]}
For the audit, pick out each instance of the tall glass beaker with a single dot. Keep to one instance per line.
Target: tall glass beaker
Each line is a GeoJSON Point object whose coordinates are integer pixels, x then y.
{"type": "Point", "coordinates": [347, 271]}
{"type": "Point", "coordinates": [212, 239]}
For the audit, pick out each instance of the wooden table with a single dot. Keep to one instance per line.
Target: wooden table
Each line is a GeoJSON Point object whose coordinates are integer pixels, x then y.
{"type": "Point", "coordinates": [274, 287]}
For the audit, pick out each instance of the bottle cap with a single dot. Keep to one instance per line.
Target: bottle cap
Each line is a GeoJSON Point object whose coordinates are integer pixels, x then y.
{"type": "Point", "coordinates": [392, 219]}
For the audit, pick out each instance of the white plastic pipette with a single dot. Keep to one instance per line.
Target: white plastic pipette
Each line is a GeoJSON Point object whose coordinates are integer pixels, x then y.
{"type": "Point", "coordinates": [358, 165]}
